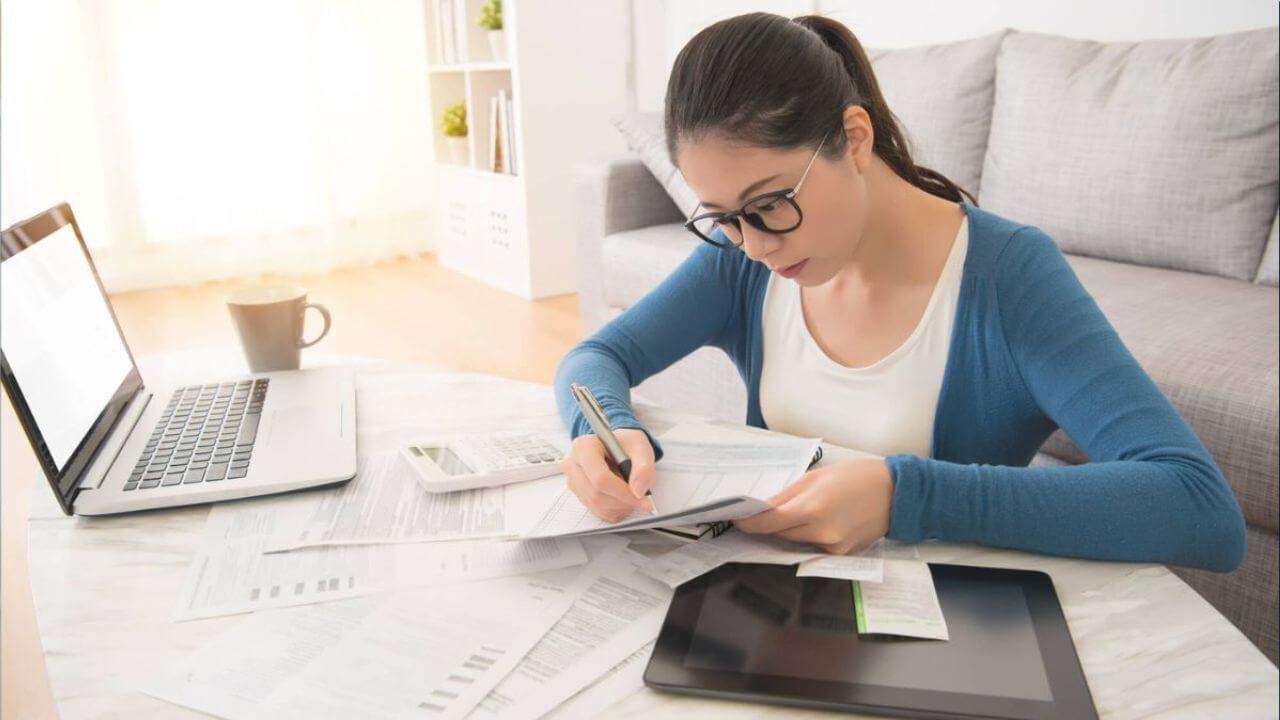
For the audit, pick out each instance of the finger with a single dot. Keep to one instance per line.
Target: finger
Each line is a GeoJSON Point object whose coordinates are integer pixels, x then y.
{"type": "Point", "coordinates": [771, 521]}
{"type": "Point", "coordinates": [603, 506]}
{"type": "Point", "coordinates": [802, 534]}
{"type": "Point", "coordinates": [637, 446]}
{"type": "Point", "coordinates": [800, 485]}
{"type": "Point", "coordinates": [603, 478]}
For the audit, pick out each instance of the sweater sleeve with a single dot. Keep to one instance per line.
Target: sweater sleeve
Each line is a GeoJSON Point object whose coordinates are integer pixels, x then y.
{"type": "Point", "coordinates": [692, 307]}
{"type": "Point", "coordinates": [1150, 493]}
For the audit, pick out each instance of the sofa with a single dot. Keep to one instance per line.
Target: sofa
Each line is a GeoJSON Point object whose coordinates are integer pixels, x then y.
{"type": "Point", "coordinates": [1153, 164]}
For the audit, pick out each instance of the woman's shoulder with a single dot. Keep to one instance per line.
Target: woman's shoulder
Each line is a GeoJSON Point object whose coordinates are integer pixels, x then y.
{"type": "Point", "coordinates": [1003, 249]}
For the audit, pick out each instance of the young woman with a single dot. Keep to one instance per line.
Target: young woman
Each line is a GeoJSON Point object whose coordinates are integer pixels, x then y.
{"type": "Point", "coordinates": [869, 301]}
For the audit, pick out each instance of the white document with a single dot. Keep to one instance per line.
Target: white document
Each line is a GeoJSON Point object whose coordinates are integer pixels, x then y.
{"type": "Point", "coordinates": [695, 482]}
{"type": "Point", "coordinates": [688, 561]}
{"type": "Point", "coordinates": [904, 603]}
{"type": "Point", "coordinates": [395, 407]}
{"type": "Point", "coordinates": [384, 503]}
{"type": "Point", "coordinates": [622, 679]}
{"type": "Point", "coordinates": [617, 615]}
{"type": "Point", "coordinates": [379, 657]}
{"type": "Point", "coordinates": [697, 558]}
{"type": "Point", "coordinates": [867, 565]}
{"type": "Point", "coordinates": [231, 574]}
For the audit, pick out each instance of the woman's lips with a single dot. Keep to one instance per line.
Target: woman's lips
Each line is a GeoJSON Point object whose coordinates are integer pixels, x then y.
{"type": "Point", "coordinates": [792, 271]}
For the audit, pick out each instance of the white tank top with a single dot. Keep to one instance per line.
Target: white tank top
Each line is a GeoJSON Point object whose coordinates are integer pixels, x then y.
{"type": "Point", "coordinates": [884, 408]}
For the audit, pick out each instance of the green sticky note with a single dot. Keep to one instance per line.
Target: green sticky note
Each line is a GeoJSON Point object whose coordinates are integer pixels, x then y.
{"type": "Point", "coordinates": [858, 615]}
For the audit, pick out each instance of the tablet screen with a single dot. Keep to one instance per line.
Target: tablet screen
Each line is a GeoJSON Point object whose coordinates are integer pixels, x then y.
{"type": "Point", "coordinates": [804, 628]}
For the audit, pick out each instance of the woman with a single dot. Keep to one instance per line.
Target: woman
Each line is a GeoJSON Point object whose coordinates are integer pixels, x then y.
{"type": "Point", "coordinates": [864, 300]}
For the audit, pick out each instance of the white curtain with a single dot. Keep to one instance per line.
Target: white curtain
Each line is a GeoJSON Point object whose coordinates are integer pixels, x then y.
{"type": "Point", "coordinates": [205, 140]}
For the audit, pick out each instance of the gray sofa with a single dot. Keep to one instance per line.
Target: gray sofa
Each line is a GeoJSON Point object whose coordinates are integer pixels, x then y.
{"type": "Point", "coordinates": [1152, 164]}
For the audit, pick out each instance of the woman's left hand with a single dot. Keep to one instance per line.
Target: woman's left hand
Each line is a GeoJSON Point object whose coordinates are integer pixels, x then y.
{"type": "Point", "coordinates": [842, 508]}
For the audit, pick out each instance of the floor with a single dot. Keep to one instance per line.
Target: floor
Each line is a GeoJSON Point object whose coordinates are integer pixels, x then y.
{"type": "Point", "coordinates": [409, 310]}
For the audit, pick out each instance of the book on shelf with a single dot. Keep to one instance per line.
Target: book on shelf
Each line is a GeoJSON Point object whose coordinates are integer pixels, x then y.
{"type": "Point", "coordinates": [493, 133]}
{"type": "Point", "coordinates": [451, 28]}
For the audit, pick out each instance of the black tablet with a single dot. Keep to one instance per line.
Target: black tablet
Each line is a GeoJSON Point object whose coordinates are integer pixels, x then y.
{"type": "Point", "coordinates": [758, 632]}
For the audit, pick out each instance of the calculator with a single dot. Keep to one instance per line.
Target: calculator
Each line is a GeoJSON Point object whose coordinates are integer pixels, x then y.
{"type": "Point", "coordinates": [466, 461]}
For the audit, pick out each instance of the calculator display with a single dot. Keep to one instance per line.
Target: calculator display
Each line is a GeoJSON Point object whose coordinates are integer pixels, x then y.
{"type": "Point", "coordinates": [445, 459]}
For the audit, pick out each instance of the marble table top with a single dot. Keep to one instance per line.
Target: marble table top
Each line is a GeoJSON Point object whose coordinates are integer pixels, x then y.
{"type": "Point", "coordinates": [103, 590]}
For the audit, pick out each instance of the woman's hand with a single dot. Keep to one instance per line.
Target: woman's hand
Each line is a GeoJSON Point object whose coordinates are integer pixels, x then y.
{"type": "Point", "coordinates": [842, 508]}
{"type": "Point", "coordinates": [603, 491]}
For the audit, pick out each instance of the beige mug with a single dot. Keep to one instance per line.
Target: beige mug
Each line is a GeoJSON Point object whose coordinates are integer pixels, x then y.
{"type": "Point", "coordinates": [270, 321]}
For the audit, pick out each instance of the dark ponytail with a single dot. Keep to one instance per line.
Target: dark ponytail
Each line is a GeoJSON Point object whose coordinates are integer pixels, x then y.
{"type": "Point", "coordinates": [772, 82]}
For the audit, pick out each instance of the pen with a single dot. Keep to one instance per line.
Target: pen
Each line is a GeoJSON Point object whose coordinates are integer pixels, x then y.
{"type": "Point", "coordinates": [600, 424]}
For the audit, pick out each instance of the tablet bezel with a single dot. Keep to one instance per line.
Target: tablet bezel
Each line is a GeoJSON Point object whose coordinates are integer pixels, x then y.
{"type": "Point", "coordinates": [1072, 699]}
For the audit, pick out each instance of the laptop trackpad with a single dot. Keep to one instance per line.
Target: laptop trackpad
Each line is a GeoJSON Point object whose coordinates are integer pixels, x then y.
{"type": "Point", "coordinates": [302, 426]}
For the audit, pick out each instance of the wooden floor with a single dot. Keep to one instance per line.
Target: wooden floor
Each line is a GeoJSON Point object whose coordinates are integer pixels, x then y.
{"type": "Point", "coordinates": [409, 310]}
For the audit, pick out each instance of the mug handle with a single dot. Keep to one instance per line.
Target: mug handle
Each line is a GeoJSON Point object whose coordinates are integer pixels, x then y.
{"type": "Point", "coordinates": [324, 312]}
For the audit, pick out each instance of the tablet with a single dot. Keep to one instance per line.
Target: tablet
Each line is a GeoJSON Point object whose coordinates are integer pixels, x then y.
{"type": "Point", "coordinates": [759, 633]}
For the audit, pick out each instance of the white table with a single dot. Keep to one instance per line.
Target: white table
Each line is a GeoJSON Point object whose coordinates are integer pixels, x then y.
{"type": "Point", "coordinates": [103, 590]}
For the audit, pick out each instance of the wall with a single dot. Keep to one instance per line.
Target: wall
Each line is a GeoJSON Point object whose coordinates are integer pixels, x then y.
{"type": "Point", "coordinates": [663, 26]}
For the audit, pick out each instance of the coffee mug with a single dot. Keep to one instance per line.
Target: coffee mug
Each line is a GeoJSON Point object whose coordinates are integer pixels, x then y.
{"type": "Point", "coordinates": [269, 320]}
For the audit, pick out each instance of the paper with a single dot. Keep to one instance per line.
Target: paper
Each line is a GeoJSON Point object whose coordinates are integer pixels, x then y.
{"type": "Point", "coordinates": [231, 573]}
{"type": "Point", "coordinates": [867, 565]}
{"type": "Point", "coordinates": [379, 657]}
{"type": "Point", "coordinates": [904, 603]}
{"type": "Point", "coordinates": [688, 561]}
{"type": "Point", "coordinates": [620, 681]}
{"type": "Point", "coordinates": [384, 503]}
{"type": "Point", "coordinates": [617, 615]}
{"type": "Point", "coordinates": [696, 481]}
{"type": "Point", "coordinates": [697, 558]}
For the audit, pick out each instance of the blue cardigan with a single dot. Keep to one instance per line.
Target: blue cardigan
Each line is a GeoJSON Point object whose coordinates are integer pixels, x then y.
{"type": "Point", "coordinates": [1030, 352]}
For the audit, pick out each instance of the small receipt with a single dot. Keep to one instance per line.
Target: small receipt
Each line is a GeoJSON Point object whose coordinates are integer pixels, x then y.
{"type": "Point", "coordinates": [905, 602]}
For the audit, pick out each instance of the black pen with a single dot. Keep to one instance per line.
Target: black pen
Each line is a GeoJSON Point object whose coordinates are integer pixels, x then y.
{"type": "Point", "coordinates": [600, 424]}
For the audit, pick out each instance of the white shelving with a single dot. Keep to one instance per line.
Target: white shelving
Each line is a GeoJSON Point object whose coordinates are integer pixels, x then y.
{"type": "Point", "coordinates": [565, 74]}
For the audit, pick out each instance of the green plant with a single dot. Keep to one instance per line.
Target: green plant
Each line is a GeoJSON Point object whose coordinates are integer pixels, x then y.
{"type": "Point", "coordinates": [454, 122]}
{"type": "Point", "coordinates": [491, 15]}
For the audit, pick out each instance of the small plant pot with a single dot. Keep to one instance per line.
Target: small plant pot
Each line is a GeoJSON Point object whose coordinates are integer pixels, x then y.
{"type": "Point", "coordinates": [498, 45]}
{"type": "Point", "coordinates": [457, 149]}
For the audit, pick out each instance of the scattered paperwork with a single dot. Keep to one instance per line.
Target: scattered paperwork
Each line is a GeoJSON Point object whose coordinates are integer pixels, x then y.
{"type": "Point", "coordinates": [904, 603]}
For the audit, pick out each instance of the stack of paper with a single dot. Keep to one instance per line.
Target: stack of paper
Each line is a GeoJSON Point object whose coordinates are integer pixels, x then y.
{"type": "Point", "coordinates": [534, 605]}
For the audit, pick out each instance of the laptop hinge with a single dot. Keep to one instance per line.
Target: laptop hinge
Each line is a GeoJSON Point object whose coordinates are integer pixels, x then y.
{"type": "Point", "coordinates": [100, 467]}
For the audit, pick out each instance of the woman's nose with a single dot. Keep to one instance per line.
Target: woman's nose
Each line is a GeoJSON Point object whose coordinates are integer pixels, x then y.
{"type": "Point", "coordinates": [757, 244]}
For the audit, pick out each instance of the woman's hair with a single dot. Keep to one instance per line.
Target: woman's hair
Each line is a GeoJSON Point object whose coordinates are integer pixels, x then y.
{"type": "Point", "coordinates": [773, 82]}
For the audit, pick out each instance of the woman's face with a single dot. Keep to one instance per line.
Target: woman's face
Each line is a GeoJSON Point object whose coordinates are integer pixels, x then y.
{"type": "Point", "coordinates": [723, 174]}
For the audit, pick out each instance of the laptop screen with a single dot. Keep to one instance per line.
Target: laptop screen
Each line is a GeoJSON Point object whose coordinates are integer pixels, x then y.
{"type": "Point", "coordinates": [61, 345]}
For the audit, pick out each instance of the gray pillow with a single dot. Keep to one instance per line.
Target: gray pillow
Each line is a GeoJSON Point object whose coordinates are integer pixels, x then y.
{"type": "Point", "coordinates": [942, 96]}
{"type": "Point", "coordinates": [1161, 152]}
{"type": "Point", "coordinates": [644, 135]}
{"type": "Point", "coordinates": [1269, 270]}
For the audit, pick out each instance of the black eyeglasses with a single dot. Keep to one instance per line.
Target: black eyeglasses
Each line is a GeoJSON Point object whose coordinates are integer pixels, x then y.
{"type": "Point", "coordinates": [773, 212]}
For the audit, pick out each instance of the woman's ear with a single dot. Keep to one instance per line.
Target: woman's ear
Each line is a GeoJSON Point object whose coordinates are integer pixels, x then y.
{"type": "Point", "coordinates": [859, 136]}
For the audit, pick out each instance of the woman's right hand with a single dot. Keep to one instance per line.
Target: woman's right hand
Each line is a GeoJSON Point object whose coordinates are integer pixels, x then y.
{"type": "Point", "coordinates": [602, 490]}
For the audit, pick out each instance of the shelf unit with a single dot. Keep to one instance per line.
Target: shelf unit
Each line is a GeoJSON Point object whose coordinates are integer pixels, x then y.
{"type": "Point", "coordinates": [565, 74]}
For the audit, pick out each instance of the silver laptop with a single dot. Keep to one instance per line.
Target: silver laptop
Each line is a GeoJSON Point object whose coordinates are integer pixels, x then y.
{"type": "Point", "coordinates": [109, 444]}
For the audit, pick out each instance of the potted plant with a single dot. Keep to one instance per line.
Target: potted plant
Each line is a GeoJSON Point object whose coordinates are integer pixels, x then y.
{"type": "Point", "coordinates": [491, 20]}
{"type": "Point", "coordinates": [454, 126]}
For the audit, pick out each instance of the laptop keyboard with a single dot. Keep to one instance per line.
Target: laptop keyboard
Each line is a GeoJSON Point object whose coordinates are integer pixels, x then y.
{"type": "Point", "coordinates": [206, 434]}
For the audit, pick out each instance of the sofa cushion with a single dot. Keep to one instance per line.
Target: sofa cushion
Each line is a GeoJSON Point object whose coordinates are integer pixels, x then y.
{"type": "Point", "coordinates": [942, 95]}
{"type": "Point", "coordinates": [644, 134]}
{"type": "Point", "coordinates": [1269, 269]}
{"type": "Point", "coordinates": [1160, 152]}
{"type": "Point", "coordinates": [1211, 346]}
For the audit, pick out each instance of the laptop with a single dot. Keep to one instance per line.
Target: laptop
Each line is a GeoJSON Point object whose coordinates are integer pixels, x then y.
{"type": "Point", "coordinates": [110, 444]}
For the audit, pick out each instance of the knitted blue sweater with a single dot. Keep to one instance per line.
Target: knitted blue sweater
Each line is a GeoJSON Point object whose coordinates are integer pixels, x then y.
{"type": "Point", "coordinates": [1030, 352]}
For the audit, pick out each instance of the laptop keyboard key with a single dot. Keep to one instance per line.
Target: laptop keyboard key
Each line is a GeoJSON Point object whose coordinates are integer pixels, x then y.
{"type": "Point", "coordinates": [193, 476]}
{"type": "Point", "coordinates": [248, 431]}
{"type": "Point", "coordinates": [217, 471]}
{"type": "Point", "coordinates": [172, 479]}
{"type": "Point", "coordinates": [238, 472]}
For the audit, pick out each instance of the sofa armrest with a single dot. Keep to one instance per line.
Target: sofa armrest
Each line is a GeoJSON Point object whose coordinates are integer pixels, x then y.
{"type": "Point", "coordinates": [613, 194]}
